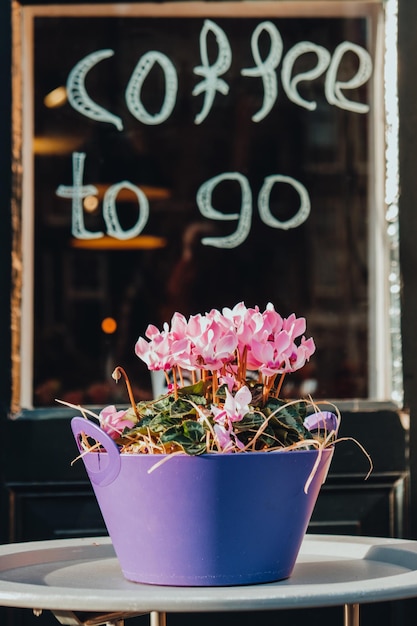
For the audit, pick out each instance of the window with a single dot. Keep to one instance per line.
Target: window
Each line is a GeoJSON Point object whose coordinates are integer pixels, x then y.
{"type": "Point", "coordinates": [185, 156]}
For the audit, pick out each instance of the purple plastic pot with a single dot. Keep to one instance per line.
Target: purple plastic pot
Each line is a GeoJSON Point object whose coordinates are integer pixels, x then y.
{"type": "Point", "coordinates": [214, 519]}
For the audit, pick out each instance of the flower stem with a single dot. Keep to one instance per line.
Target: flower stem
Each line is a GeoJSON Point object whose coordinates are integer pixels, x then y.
{"type": "Point", "coordinates": [279, 386]}
{"type": "Point", "coordinates": [244, 362]}
{"type": "Point", "coordinates": [180, 375]}
{"type": "Point", "coordinates": [118, 372]}
{"type": "Point", "coordinates": [265, 390]}
{"type": "Point", "coordinates": [241, 365]}
{"type": "Point", "coordinates": [174, 374]}
{"type": "Point", "coordinates": [215, 384]}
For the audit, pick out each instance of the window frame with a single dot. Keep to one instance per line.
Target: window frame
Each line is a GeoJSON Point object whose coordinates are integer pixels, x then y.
{"type": "Point", "coordinates": [379, 245]}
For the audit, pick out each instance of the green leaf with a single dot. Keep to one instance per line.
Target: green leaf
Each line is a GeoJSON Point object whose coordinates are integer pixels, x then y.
{"type": "Point", "coordinates": [197, 389]}
{"type": "Point", "coordinates": [161, 422]}
{"type": "Point", "coordinates": [289, 415]}
{"type": "Point", "coordinates": [182, 407]}
{"type": "Point", "coordinates": [190, 436]}
{"type": "Point", "coordinates": [250, 421]}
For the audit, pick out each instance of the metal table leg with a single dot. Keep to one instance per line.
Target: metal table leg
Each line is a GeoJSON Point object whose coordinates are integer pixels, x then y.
{"type": "Point", "coordinates": [351, 615]}
{"type": "Point", "coordinates": [158, 618]}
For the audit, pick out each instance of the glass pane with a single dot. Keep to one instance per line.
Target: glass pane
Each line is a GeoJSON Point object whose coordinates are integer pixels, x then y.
{"type": "Point", "coordinates": [247, 139]}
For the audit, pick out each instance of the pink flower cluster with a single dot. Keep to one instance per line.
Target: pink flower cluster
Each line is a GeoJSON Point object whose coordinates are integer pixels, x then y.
{"type": "Point", "coordinates": [113, 422]}
{"type": "Point", "coordinates": [229, 343]}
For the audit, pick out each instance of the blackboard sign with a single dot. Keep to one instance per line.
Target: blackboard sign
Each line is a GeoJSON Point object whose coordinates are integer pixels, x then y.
{"type": "Point", "coordinates": [190, 156]}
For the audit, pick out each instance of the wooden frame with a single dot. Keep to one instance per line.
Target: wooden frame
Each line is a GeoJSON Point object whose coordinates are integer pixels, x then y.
{"type": "Point", "coordinates": [22, 299]}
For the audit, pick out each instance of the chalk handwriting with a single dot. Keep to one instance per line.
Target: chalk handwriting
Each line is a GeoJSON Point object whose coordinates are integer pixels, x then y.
{"type": "Point", "coordinates": [263, 202]}
{"type": "Point", "coordinates": [114, 228]}
{"type": "Point", "coordinates": [333, 87]}
{"type": "Point", "coordinates": [134, 88]}
{"type": "Point", "coordinates": [211, 83]}
{"type": "Point", "coordinates": [266, 69]}
{"type": "Point", "coordinates": [244, 216]}
{"type": "Point", "coordinates": [77, 191]}
{"type": "Point", "coordinates": [290, 82]}
{"type": "Point", "coordinates": [77, 92]}
{"type": "Point", "coordinates": [211, 73]}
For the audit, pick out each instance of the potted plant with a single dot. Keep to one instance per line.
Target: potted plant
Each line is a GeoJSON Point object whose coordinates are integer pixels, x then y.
{"type": "Point", "coordinates": [214, 482]}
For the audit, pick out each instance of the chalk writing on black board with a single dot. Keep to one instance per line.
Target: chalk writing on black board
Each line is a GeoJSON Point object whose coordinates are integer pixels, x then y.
{"type": "Point", "coordinates": [212, 84]}
{"type": "Point", "coordinates": [211, 74]}
{"type": "Point", "coordinates": [78, 191]}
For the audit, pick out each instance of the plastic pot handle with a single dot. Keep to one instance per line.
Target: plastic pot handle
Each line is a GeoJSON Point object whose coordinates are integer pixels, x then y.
{"type": "Point", "coordinates": [322, 420]}
{"type": "Point", "coordinates": [110, 467]}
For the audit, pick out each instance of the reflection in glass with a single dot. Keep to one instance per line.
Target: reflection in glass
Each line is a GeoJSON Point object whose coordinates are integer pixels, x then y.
{"type": "Point", "coordinates": [317, 269]}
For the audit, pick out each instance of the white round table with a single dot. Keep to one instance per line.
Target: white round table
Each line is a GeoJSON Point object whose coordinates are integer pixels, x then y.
{"type": "Point", "coordinates": [80, 581]}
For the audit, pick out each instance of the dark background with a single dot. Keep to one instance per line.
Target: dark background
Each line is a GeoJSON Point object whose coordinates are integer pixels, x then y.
{"type": "Point", "coordinates": [31, 476]}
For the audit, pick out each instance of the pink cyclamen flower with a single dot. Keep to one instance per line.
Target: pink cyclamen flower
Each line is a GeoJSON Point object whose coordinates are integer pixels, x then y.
{"type": "Point", "coordinates": [269, 356]}
{"type": "Point", "coordinates": [296, 326]}
{"type": "Point", "coordinates": [273, 349]}
{"type": "Point", "coordinates": [163, 351]}
{"type": "Point", "coordinates": [235, 407]}
{"type": "Point", "coordinates": [300, 354]}
{"type": "Point", "coordinates": [226, 438]}
{"type": "Point", "coordinates": [272, 319]}
{"type": "Point", "coordinates": [245, 323]}
{"type": "Point", "coordinates": [214, 348]}
{"type": "Point", "coordinates": [229, 380]}
{"type": "Point", "coordinates": [113, 422]}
